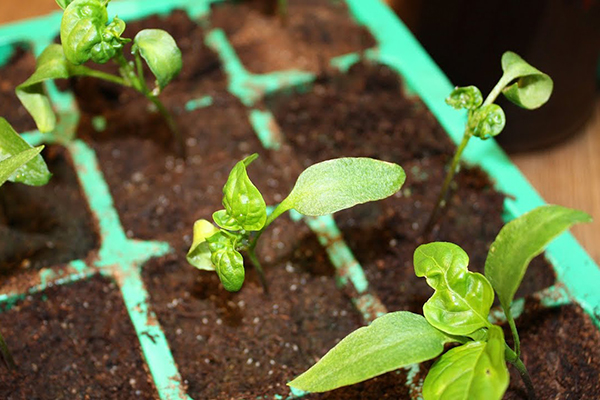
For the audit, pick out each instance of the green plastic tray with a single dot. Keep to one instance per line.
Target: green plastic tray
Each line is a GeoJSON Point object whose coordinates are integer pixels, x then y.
{"type": "Point", "coordinates": [121, 259]}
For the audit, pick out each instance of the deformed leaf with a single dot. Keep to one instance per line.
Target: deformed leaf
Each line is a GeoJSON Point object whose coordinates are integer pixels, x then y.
{"type": "Point", "coordinates": [161, 53]}
{"type": "Point", "coordinates": [520, 240]}
{"type": "Point", "coordinates": [473, 371]}
{"type": "Point", "coordinates": [226, 221]}
{"type": "Point", "coordinates": [228, 262]}
{"type": "Point", "coordinates": [533, 87]}
{"type": "Point", "coordinates": [392, 341]}
{"type": "Point", "coordinates": [199, 254]}
{"type": "Point", "coordinates": [35, 172]}
{"type": "Point", "coordinates": [335, 185]}
{"type": "Point", "coordinates": [487, 121]}
{"type": "Point", "coordinates": [462, 299]}
{"type": "Point", "coordinates": [242, 200]}
{"type": "Point", "coordinates": [13, 163]}
{"type": "Point", "coordinates": [468, 97]}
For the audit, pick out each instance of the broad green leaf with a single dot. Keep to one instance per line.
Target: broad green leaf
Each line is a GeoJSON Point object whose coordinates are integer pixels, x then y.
{"type": "Point", "coordinates": [228, 262]}
{"type": "Point", "coordinates": [161, 53]}
{"type": "Point", "coordinates": [473, 371]}
{"type": "Point", "coordinates": [520, 241]}
{"type": "Point", "coordinates": [532, 89]}
{"type": "Point", "coordinates": [13, 163]}
{"type": "Point", "coordinates": [468, 97]}
{"type": "Point", "coordinates": [462, 299]}
{"type": "Point", "coordinates": [51, 64]}
{"type": "Point", "coordinates": [35, 172]}
{"type": "Point", "coordinates": [487, 121]}
{"type": "Point", "coordinates": [242, 200]}
{"type": "Point", "coordinates": [335, 185]}
{"type": "Point", "coordinates": [392, 341]}
{"type": "Point", "coordinates": [199, 254]}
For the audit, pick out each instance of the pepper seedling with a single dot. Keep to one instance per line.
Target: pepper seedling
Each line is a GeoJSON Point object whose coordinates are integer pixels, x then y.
{"type": "Point", "coordinates": [86, 35]}
{"type": "Point", "coordinates": [19, 162]}
{"type": "Point", "coordinates": [456, 313]}
{"type": "Point", "coordinates": [521, 83]}
{"type": "Point", "coordinates": [322, 189]}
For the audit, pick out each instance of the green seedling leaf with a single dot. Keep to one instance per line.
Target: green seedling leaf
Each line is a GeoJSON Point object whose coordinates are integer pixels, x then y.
{"type": "Point", "coordinates": [161, 53]}
{"type": "Point", "coordinates": [487, 121]}
{"type": "Point", "coordinates": [35, 172]}
{"type": "Point", "coordinates": [63, 3]}
{"type": "Point", "coordinates": [199, 254]}
{"type": "Point", "coordinates": [228, 262]}
{"type": "Point", "coordinates": [86, 35]}
{"type": "Point", "coordinates": [473, 371]}
{"type": "Point", "coordinates": [532, 89]}
{"type": "Point", "coordinates": [13, 163]}
{"type": "Point", "coordinates": [468, 97]}
{"type": "Point", "coordinates": [242, 201]}
{"type": "Point", "coordinates": [392, 341]}
{"type": "Point", "coordinates": [520, 241]}
{"type": "Point", "coordinates": [51, 64]}
{"type": "Point", "coordinates": [335, 185]}
{"type": "Point", "coordinates": [462, 299]}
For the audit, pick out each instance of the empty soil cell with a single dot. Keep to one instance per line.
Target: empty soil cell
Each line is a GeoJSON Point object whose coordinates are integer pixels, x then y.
{"type": "Point", "coordinates": [73, 342]}
{"type": "Point", "coordinates": [46, 225]}
{"type": "Point", "coordinates": [19, 67]}
{"type": "Point", "coordinates": [315, 32]}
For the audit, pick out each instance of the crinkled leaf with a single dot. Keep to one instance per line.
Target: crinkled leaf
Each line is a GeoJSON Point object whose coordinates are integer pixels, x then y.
{"type": "Point", "coordinates": [392, 341]}
{"type": "Point", "coordinates": [35, 172]}
{"type": "Point", "coordinates": [13, 163]}
{"type": "Point", "coordinates": [462, 299]}
{"type": "Point", "coordinates": [199, 254]}
{"type": "Point", "coordinates": [242, 200]}
{"type": "Point", "coordinates": [468, 97]}
{"type": "Point", "coordinates": [51, 64]}
{"type": "Point", "coordinates": [532, 89]}
{"type": "Point", "coordinates": [228, 262]}
{"type": "Point", "coordinates": [85, 33]}
{"type": "Point", "coordinates": [520, 241]}
{"type": "Point", "coordinates": [161, 53]}
{"type": "Point", "coordinates": [226, 221]}
{"type": "Point", "coordinates": [335, 185]}
{"type": "Point", "coordinates": [473, 371]}
{"type": "Point", "coordinates": [487, 121]}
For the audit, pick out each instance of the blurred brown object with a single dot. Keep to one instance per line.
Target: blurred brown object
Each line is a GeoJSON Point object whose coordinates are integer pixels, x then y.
{"type": "Point", "coordinates": [11, 10]}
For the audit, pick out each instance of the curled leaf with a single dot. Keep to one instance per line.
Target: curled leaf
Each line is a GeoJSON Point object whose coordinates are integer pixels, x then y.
{"type": "Point", "coordinates": [392, 341]}
{"type": "Point", "coordinates": [473, 371]}
{"type": "Point", "coordinates": [468, 97]}
{"type": "Point", "coordinates": [335, 185]}
{"type": "Point", "coordinates": [161, 53]}
{"type": "Point", "coordinates": [532, 88]}
{"type": "Point", "coordinates": [462, 299]}
{"type": "Point", "coordinates": [228, 262]}
{"type": "Point", "coordinates": [199, 254]}
{"type": "Point", "coordinates": [487, 121]}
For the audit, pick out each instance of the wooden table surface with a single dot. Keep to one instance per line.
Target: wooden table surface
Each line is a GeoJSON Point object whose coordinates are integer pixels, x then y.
{"type": "Point", "coordinates": [568, 175]}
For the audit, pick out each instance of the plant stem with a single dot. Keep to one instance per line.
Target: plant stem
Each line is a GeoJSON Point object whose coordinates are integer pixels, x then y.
{"type": "Point", "coordinates": [6, 356]}
{"type": "Point", "coordinates": [512, 357]}
{"type": "Point", "coordinates": [259, 269]}
{"type": "Point", "coordinates": [496, 91]}
{"type": "Point", "coordinates": [513, 329]}
{"type": "Point", "coordinates": [107, 77]}
{"type": "Point", "coordinates": [282, 11]}
{"type": "Point", "coordinates": [449, 175]}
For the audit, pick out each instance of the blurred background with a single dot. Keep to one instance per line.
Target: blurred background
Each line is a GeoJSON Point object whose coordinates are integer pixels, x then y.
{"type": "Point", "coordinates": [556, 147]}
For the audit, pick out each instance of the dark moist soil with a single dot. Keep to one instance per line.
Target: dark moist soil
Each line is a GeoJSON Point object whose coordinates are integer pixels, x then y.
{"type": "Point", "coordinates": [16, 71]}
{"type": "Point", "coordinates": [46, 225]}
{"type": "Point", "coordinates": [316, 31]}
{"type": "Point", "coordinates": [73, 342]}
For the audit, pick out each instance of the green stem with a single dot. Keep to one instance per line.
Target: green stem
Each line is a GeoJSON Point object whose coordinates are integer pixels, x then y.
{"type": "Point", "coordinates": [6, 356]}
{"type": "Point", "coordinates": [496, 90]}
{"type": "Point", "coordinates": [259, 269]}
{"type": "Point", "coordinates": [282, 11]}
{"type": "Point", "coordinates": [514, 359]}
{"type": "Point", "coordinates": [107, 77]}
{"type": "Point", "coordinates": [513, 329]}
{"type": "Point", "coordinates": [449, 175]}
{"type": "Point", "coordinates": [179, 143]}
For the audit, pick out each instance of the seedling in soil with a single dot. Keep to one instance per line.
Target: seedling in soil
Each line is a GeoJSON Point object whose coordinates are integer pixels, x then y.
{"type": "Point", "coordinates": [86, 35]}
{"type": "Point", "coordinates": [322, 189]}
{"type": "Point", "coordinates": [520, 83]}
{"type": "Point", "coordinates": [456, 313]}
{"type": "Point", "coordinates": [19, 162]}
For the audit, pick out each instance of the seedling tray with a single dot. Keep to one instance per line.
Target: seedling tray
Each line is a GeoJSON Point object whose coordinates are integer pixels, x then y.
{"type": "Point", "coordinates": [120, 258]}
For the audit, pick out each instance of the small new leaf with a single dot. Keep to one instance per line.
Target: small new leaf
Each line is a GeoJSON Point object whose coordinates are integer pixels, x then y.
{"type": "Point", "coordinates": [13, 163]}
{"type": "Point", "coordinates": [462, 299]}
{"type": "Point", "coordinates": [242, 200]}
{"type": "Point", "coordinates": [63, 3]}
{"type": "Point", "coordinates": [199, 254]}
{"type": "Point", "coordinates": [335, 185]}
{"type": "Point", "coordinates": [392, 341]}
{"type": "Point", "coordinates": [468, 97]}
{"type": "Point", "coordinates": [473, 371]}
{"type": "Point", "coordinates": [228, 262]}
{"type": "Point", "coordinates": [487, 121]}
{"type": "Point", "coordinates": [533, 87]}
{"type": "Point", "coordinates": [520, 241]}
{"type": "Point", "coordinates": [160, 52]}
{"type": "Point", "coordinates": [35, 172]}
